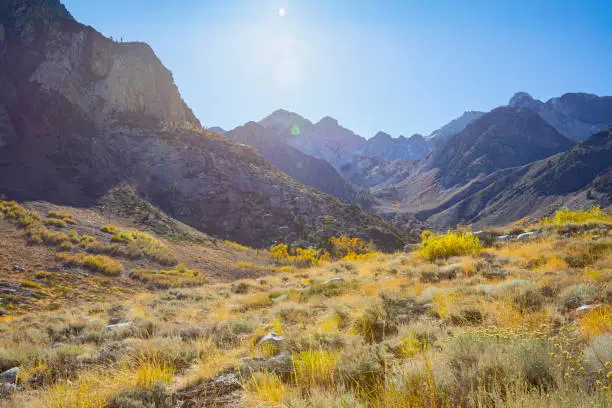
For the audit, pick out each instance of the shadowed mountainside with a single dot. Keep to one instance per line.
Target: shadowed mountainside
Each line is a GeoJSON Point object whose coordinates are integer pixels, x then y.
{"type": "Point", "coordinates": [81, 114]}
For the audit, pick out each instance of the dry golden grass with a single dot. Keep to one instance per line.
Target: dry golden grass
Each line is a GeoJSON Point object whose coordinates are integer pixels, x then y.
{"type": "Point", "coordinates": [382, 337]}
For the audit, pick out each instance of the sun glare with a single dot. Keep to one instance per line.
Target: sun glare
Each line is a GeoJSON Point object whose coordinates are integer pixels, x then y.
{"type": "Point", "coordinates": [282, 12]}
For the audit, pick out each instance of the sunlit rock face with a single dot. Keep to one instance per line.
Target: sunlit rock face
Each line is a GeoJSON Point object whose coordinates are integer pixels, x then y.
{"type": "Point", "coordinates": [81, 114]}
{"type": "Point", "coordinates": [575, 115]}
{"type": "Point", "coordinates": [453, 127]}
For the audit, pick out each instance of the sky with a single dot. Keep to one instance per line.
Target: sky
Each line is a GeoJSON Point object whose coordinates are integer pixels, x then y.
{"type": "Point", "coordinates": [403, 67]}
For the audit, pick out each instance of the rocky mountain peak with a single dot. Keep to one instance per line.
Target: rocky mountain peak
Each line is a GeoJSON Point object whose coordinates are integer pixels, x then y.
{"type": "Point", "coordinates": [523, 100]}
{"type": "Point", "coordinates": [382, 136]}
{"type": "Point", "coordinates": [327, 121]}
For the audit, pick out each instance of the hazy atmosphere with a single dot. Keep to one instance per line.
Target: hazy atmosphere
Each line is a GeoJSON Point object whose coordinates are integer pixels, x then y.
{"type": "Point", "coordinates": [402, 67]}
{"type": "Point", "coordinates": [305, 204]}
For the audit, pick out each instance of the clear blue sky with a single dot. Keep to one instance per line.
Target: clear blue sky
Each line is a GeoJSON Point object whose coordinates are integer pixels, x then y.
{"type": "Point", "coordinates": [401, 66]}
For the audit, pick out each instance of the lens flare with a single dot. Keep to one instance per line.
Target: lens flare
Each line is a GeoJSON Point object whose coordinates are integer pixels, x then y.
{"type": "Point", "coordinates": [295, 131]}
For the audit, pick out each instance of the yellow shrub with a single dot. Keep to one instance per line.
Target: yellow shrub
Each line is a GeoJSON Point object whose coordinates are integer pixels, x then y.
{"type": "Point", "coordinates": [237, 245]}
{"type": "Point", "coordinates": [96, 263]}
{"type": "Point", "coordinates": [352, 256]}
{"type": "Point", "coordinates": [150, 373]}
{"type": "Point", "coordinates": [300, 257]}
{"type": "Point", "coordinates": [63, 216]}
{"type": "Point", "coordinates": [596, 321]}
{"type": "Point", "coordinates": [342, 246]}
{"type": "Point", "coordinates": [103, 264]}
{"type": "Point", "coordinates": [266, 387]}
{"type": "Point", "coordinates": [441, 246]}
{"type": "Point", "coordinates": [110, 229]}
{"type": "Point", "coordinates": [315, 367]}
{"type": "Point", "coordinates": [566, 216]}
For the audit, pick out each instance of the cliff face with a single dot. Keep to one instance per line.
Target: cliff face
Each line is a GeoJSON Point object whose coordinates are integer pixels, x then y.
{"type": "Point", "coordinates": [80, 114]}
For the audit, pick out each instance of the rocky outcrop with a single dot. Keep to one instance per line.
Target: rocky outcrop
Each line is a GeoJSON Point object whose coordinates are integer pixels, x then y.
{"type": "Point", "coordinates": [88, 114]}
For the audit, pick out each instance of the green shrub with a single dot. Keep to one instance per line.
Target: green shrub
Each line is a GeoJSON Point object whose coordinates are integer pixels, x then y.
{"type": "Point", "coordinates": [577, 295]}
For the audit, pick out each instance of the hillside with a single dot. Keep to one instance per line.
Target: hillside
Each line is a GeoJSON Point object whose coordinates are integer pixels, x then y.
{"type": "Point", "coordinates": [505, 137]}
{"type": "Point", "coordinates": [313, 172]}
{"type": "Point", "coordinates": [82, 114]}
{"type": "Point", "coordinates": [578, 178]}
{"type": "Point", "coordinates": [92, 316]}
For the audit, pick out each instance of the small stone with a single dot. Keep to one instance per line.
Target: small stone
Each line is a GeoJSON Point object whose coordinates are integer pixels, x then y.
{"type": "Point", "coordinates": [335, 279]}
{"type": "Point", "coordinates": [586, 308]}
{"type": "Point", "coordinates": [504, 238]}
{"type": "Point", "coordinates": [526, 235]}
{"type": "Point", "coordinates": [18, 268]}
{"type": "Point", "coordinates": [116, 326]}
{"type": "Point", "coordinates": [10, 375]}
{"type": "Point", "coordinates": [271, 338]}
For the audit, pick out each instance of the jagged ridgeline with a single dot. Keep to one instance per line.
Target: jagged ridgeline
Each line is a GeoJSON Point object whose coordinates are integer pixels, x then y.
{"type": "Point", "coordinates": [81, 114]}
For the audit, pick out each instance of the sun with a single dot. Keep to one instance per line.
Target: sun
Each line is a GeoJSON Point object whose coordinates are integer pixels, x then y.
{"type": "Point", "coordinates": [282, 12]}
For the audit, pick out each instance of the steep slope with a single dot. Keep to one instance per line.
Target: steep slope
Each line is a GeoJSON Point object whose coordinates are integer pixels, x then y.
{"type": "Point", "coordinates": [578, 178]}
{"type": "Point", "coordinates": [575, 115]}
{"type": "Point", "coordinates": [313, 172]}
{"type": "Point", "coordinates": [325, 139]}
{"type": "Point", "coordinates": [505, 137]}
{"type": "Point", "coordinates": [453, 127]}
{"type": "Point", "coordinates": [81, 114]}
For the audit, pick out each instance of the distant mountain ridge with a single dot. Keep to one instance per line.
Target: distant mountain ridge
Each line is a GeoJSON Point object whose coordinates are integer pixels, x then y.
{"type": "Point", "coordinates": [311, 171]}
{"type": "Point", "coordinates": [504, 137]}
{"type": "Point", "coordinates": [575, 115]}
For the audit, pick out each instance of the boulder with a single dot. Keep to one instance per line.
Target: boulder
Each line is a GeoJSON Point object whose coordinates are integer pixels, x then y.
{"type": "Point", "coordinates": [223, 390]}
{"type": "Point", "coordinates": [10, 375]}
{"type": "Point", "coordinates": [335, 279]}
{"type": "Point", "coordinates": [18, 268]}
{"type": "Point", "coordinates": [281, 365]}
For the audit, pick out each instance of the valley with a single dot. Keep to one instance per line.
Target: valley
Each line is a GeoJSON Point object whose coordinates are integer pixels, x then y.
{"type": "Point", "coordinates": [150, 258]}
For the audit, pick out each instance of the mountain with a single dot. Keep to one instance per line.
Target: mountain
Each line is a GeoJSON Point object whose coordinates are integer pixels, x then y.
{"type": "Point", "coordinates": [313, 172]}
{"type": "Point", "coordinates": [575, 115]}
{"type": "Point", "coordinates": [218, 130]}
{"type": "Point", "coordinates": [505, 137]}
{"type": "Point", "coordinates": [325, 139]}
{"type": "Point", "coordinates": [82, 114]}
{"type": "Point", "coordinates": [578, 178]}
{"type": "Point", "coordinates": [383, 146]}
{"type": "Point", "coordinates": [453, 127]}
